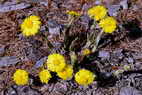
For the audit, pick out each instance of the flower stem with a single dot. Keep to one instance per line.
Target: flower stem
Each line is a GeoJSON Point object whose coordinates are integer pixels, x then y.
{"type": "Point", "coordinates": [97, 41]}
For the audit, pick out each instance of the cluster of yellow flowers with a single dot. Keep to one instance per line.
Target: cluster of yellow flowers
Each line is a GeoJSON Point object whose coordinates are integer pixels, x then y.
{"type": "Point", "coordinates": [21, 77]}
{"type": "Point", "coordinates": [99, 13]}
{"type": "Point", "coordinates": [56, 63]}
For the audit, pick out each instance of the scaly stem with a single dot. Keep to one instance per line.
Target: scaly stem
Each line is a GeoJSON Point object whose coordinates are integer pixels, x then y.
{"type": "Point", "coordinates": [97, 41]}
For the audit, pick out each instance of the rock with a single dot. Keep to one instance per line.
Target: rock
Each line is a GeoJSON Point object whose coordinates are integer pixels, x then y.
{"type": "Point", "coordinates": [98, 2]}
{"type": "Point", "coordinates": [10, 7]}
{"type": "Point", "coordinates": [118, 53]}
{"type": "Point", "coordinates": [10, 91]}
{"type": "Point", "coordinates": [40, 62]}
{"type": "Point", "coordinates": [85, 20]}
{"type": "Point", "coordinates": [138, 65]}
{"type": "Point", "coordinates": [124, 4]}
{"type": "Point", "coordinates": [44, 3]}
{"type": "Point", "coordinates": [130, 60]}
{"type": "Point", "coordinates": [137, 56]}
{"type": "Point", "coordinates": [129, 91]}
{"type": "Point", "coordinates": [113, 10]}
{"type": "Point", "coordinates": [32, 54]}
{"type": "Point", "coordinates": [54, 31]}
{"type": "Point", "coordinates": [54, 27]}
{"type": "Point", "coordinates": [8, 60]}
{"type": "Point", "coordinates": [104, 54]}
{"type": "Point", "coordinates": [60, 88]}
{"type": "Point", "coordinates": [2, 50]}
{"type": "Point", "coordinates": [25, 90]}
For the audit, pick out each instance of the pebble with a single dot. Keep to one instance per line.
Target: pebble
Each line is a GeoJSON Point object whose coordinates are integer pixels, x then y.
{"type": "Point", "coordinates": [2, 50]}
{"type": "Point", "coordinates": [124, 4]}
{"type": "Point", "coordinates": [104, 54]}
{"type": "Point", "coordinates": [130, 60]}
{"type": "Point", "coordinates": [60, 88]}
{"type": "Point", "coordinates": [129, 91]}
{"type": "Point", "coordinates": [12, 7]}
{"type": "Point", "coordinates": [118, 53]}
{"type": "Point", "coordinates": [8, 60]}
{"type": "Point", "coordinates": [40, 62]}
{"type": "Point", "coordinates": [113, 10]}
{"type": "Point", "coordinates": [54, 28]}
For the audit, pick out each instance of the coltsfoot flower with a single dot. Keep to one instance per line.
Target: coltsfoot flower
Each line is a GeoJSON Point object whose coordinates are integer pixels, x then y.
{"type": "Point", "coordinates": [108, 24]}
{"type": "Point", "coordinates": [73, 13]}
{"type": "Point", "coordinates": [84, 77]}
{"type": "Point", "coordinates": [66, 73]}
{"type": "Point", "coordinates": [31, 26]}
{"type": "Point", "coordinates": [86, 52]}
{"type": "Point", "coordinates": [44, 76]}
{"type": "Point", "coordinates": [97, 12]}
{"type": "Point", "coordinates": [21, 77]}
{"type": "Point", "coordinates": [56, 62]}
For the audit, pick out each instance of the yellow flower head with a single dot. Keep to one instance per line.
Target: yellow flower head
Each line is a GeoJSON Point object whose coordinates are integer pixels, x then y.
{"type": "Point", "coordinates": [84, 77]}
{"type": "Point", "coordinates": [21, 77]}
{"type": "Point", "coordinates": [56, 62]}
{"type": "Point", "coordinates": [66, 73]}
{"type": "Point", "coordinates": [86, 52]}
{"type": "Point", "coordinates": [108, 24]}
{"type": "Point", "coordinates": [97, 12]}
{"type": "Point", "coordinates": [73, 13]}
{"type": "Point", "coordinates": [44, 76]}
{"type": "Point", "coordinates": [31, 26]}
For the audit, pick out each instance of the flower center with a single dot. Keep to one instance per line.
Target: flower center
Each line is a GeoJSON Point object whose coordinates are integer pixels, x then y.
{"type": "Point", "coordinates": [29, 24]}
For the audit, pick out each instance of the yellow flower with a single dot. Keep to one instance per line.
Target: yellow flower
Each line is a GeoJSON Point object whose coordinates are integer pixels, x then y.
{"type": "Point", "coordinates": [86, 52]}
{"type": "Point", "coordinates": [73, 13]}
{"type": "Point", "coordinates": [56, 62]}
{"type": "Point", "coordinates": [84, 77]}
{"type": "Point", "coordinates": [97, 12]}
{"type": "Point", "coordinates": [31, 26]}
{"type": "Point", "coordinates": [21, 77]}
{"type": "Point", "coordinates": [108, 24]}
{"type": "Point", "coordinates": [44, 76]}
{"type": "Point", "coordinates": [66, 73]}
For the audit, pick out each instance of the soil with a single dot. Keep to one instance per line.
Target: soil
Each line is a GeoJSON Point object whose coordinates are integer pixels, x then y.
{"type": "Point", "coordinates": [116, 50]}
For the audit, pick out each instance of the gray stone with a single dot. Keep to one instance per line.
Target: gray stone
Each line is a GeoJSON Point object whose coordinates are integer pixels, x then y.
{"type": "Point", "coordinates": [11, 91]}
{"type": "Point", "coordinates": [118, 53]}
{"type": "Point", "coordinates": [60, 88]}
{"type": "Point", "coordinates": [98, 2]}
{"type": "Point", "coordinates": [10, 7]}
{"type": "Point", "coordinates": [104, 54]}
{"type": "Point", "coordinates": [8, 60]}
{"type": "Point", "coordinates": [113, 10]}
{"type": "Point", "coordinates": [54, 28]}
{"type": "Point", "coordinates": [26, 90]}
{"type": "Point", "coordinates": [44, 3]}
{"type": "Point", "coordinates": [54, 31]}
{"type": "Point", "coordinates": [124, 4]}
{"type": "Point", "coordinates": [40, 62]}
{"type": "Point", "coordinates": [2, 50]}
{"type": "Point", "coordinates": [130, 60]}
{"type": "Point", "coordinates": [85, 21]}
{"type": "Point", "coordinates": [130, 91]}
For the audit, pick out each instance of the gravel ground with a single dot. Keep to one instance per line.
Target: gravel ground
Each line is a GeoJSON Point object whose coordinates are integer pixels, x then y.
{"type": "Point", "coordinates": [124, 47]}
